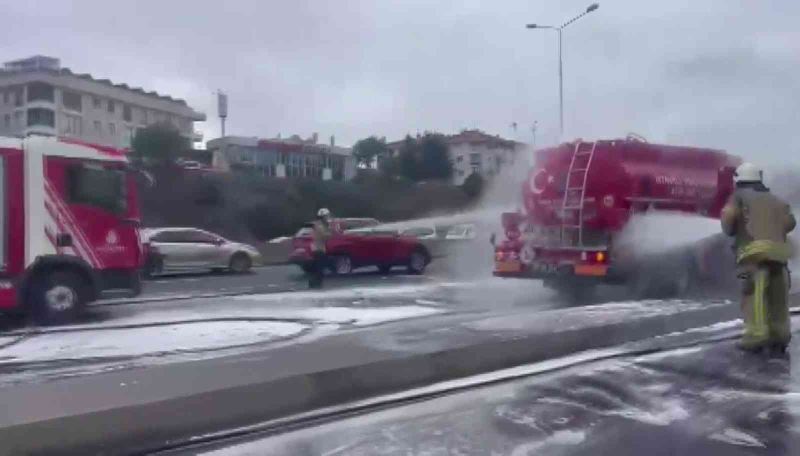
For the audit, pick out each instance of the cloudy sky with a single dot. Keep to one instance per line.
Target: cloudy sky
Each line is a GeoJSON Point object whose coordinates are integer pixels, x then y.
{"type": "Point", "coordinates": [720, 73]}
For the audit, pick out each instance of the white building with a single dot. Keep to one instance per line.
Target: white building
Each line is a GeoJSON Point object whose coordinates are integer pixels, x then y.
{"type": "Point", "coordinates": [473, 151]}
{"type": "Point", "coordinates": [37, 96]}
{"type": "Point", "coordinates": [276, 157]}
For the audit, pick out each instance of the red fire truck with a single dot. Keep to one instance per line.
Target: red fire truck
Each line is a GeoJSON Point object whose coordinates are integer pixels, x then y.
{"type": "Point", "coordinates": [69, 228]}
{"type": "Point", "coordinates": [580, 196]}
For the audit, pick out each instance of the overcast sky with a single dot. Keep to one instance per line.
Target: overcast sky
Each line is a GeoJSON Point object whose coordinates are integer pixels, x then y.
{"type": "Point", "coordinates": [720, 73]}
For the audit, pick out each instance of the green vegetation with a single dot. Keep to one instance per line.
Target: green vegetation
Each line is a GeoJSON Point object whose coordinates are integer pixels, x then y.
{"type": "Point", "coordinates": [254, 208]}
{"type": "Point", "coordinates": [367, 150]}
{"type": "Point", "coordinates": [158, 145]}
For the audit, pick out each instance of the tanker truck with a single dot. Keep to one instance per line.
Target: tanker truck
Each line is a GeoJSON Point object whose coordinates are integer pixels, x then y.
{"type": "Point", "coordinates": [580, 196]}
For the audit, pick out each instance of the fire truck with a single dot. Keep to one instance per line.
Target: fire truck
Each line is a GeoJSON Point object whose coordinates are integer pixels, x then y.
{"type": "Point", "coordinates": [70, 226]}
{"type": "Point", "coordinates": [580, 196]}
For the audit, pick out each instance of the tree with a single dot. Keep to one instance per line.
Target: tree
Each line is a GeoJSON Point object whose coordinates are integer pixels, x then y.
{"type": "Point", "coordinates": [473, 185]}
{"type": "Point", "coordinates": [158, 145]}
{"type": "Point", "coordinates": [408, 159]}
{"type": "Point", "coordinates": [434, 159]}
{"type": "Point", "coordinates": [367, 150]}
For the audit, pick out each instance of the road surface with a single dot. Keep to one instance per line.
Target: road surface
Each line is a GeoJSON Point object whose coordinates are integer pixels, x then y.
{"type": "Point", "coordinates": [185, 342]}
{"type": "Point", "coordinates": [706, 399]}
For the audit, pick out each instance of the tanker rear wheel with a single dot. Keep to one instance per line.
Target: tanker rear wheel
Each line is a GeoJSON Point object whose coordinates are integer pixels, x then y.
{"type": "Point", "coordinates": [573, 292]}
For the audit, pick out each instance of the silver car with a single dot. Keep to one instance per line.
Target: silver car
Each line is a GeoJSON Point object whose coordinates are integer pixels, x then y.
{"type": "Point", "coordinates": [186, 249]}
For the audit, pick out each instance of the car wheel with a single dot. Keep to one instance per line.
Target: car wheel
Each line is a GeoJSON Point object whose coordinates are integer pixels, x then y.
{"type": "Point", "coordinates": [385, 269]}
{"type": "Point", "coordinates": [342, 265]}
{"type": "Point", "coordinates": [152, 267]}
{"type": "Point", "coordinates": [240, 263]}
{"type": "Point", "coordinates": [57, 296]}
{"type": "Point", "coordinates": [417, 262]}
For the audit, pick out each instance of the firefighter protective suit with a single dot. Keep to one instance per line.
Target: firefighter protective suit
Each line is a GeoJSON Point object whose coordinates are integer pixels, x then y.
{"type": "Point", "coordinates": [759, 222]}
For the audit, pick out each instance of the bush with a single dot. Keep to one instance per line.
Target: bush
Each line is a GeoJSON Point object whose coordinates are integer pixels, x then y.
{"type": "Point", "coordinates": [249, 209]}
{"type": "Point", "coordinates": [473, 185]}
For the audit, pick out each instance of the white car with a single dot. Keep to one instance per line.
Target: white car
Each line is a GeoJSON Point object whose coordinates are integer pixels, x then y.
{"type": "Point", "coordinates": [462, 232]}
{"type": "Point", "coordinates": [421, 232]}
{"type": "Point", "coordinates": [187, 249]}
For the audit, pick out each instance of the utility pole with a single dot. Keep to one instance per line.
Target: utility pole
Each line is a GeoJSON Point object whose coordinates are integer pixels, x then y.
{"type": "Point", "coordinates": [222, 109]}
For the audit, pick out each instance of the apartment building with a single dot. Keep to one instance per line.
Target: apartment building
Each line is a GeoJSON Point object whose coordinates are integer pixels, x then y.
{"type": "Point", "coordinates": [38, 96]}
{"type": "Point", "coordinates": [473, 151]}
{"type": "Point", "coordinates": [283, 157]}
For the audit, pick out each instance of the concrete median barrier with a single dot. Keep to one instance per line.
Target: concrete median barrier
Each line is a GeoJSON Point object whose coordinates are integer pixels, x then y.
{"type": "Point", "coordinates": [177, 403]}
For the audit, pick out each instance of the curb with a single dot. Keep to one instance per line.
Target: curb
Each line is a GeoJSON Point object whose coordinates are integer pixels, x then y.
{"type": "Point", "coordinates": [176, 421]}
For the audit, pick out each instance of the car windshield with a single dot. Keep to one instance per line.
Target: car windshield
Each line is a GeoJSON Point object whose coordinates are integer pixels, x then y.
{"type": "Point", "coordinates": [387, 227]}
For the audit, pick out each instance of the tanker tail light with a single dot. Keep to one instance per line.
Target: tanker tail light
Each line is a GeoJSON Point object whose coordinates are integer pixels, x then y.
{"type": "Point", "coordinates": [599, 257]}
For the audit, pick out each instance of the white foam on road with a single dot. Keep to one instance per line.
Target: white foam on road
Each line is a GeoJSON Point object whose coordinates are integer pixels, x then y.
{"type": "Point", "coordinates": [145, 341]}
{"type": "Point", "coordinates": [591, 316]}
{"type": "Point", "coordinates": [737, 437]}
{"type": "Point", "coordinates": [359, 316]}
{"type": "Point", "coordinates": [558, 438]}
{"type": "Point", "coordinates": [340, 293]}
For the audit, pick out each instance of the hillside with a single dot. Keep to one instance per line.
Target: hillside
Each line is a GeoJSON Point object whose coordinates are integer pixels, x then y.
{"type": "Point", "coordinates": [250, 208]}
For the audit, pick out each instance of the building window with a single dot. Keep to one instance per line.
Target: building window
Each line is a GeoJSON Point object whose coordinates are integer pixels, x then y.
{"type": "Point", "coordinates": [476, 169]}
{"type": "Point", "coordinates": [127, 116]}
{"type": "Point", "coordinates": [459, 159]}
{"type": "Point", "coordinates": [98, 127]}
{"type": "Point", "coordinates": [41, 116]}
{"type": "Point", "coordinates": [39, 91]}
{"type": "Point", "coordinates": [18, 116]}
{"type": "Point", "coordinates": [144, 117]}
{"type": "Point", "coordinates": [71, 100]}
{"type": "Point", "coordinates": [112, 129]}
{"type": "Point", "coordinates": [475, 159]}
{"type": "Point", "coordinates": [97, 102]}
{"type": "Point", "coordinates": [17, 96]}
{"type": "Point", "coordinates": [7, 120]}
{"type": "Point", "coordinates": [129, 132]}
{"type": "Point", "coordinates": [5, 97]}
{"type": "Point", "coordinates": [460, 173]}
{"type": "Point", "coordinates": [111, 106]}
{"type": "Point", "coordinates": [73, 125]}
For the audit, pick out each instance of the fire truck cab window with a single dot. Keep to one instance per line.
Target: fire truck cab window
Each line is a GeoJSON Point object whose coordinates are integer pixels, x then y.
{"type": "Point", "coordinates": [99, 187]}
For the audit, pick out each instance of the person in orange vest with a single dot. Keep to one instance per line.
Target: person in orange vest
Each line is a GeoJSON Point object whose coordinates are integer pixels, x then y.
{"type": "Point", "coordinates": [759, 222]}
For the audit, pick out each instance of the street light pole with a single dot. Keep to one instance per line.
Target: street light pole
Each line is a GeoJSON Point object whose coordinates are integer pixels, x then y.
{"type": "Point", "coordinates": [560, 89]}
{"type": "Point", "coordinates": [560, 29]}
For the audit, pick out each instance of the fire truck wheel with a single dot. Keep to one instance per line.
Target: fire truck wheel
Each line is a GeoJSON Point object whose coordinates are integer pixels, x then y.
{"type": "Point", "coordinates": [575, 294]}
{"type": "Point", "coordinates": [57, 296]}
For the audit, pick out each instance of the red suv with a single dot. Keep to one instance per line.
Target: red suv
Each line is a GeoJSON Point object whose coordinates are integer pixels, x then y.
{"type": "Point", "coordinates": [357, 243]}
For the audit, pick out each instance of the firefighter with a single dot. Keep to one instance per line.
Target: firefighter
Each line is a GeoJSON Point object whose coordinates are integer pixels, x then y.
{"type": "Point", "coordinates": [759, 222]}
{"type": "Point", "coordinates": [320, 233]}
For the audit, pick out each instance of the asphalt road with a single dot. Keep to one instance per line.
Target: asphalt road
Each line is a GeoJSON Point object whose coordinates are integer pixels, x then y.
{"type": "Point", "coordinates": [263, 279]}
{"type": "Point", "coordinates": [193, 335]}
{"type": "Point", "coordinates": [708, 399]}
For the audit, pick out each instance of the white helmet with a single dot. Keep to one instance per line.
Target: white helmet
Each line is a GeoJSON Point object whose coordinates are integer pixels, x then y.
{"type": "Point", "coordinates": [748, 172]}
{"type": "Point", "coordinates": [323, 213]}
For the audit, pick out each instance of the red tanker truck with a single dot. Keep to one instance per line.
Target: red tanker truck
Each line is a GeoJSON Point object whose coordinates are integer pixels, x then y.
{"type": "Point", "coordinates": [579, 197]}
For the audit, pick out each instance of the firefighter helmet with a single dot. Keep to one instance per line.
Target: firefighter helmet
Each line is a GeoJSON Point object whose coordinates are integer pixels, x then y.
{"type": "Point", "coordinates": [748, 172]}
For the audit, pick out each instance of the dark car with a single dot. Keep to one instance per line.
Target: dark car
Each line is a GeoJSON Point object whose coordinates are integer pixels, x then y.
{"type": "Point", "coordinates": [354, 248]}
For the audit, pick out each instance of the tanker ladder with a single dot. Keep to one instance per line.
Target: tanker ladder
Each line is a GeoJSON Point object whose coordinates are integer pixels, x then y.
{"type": "Point", "coordinates": [575, 188]}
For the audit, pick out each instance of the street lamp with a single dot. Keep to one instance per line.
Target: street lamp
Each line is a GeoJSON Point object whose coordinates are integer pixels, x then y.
{"type": "Point", "coordinates": [559, 28]}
